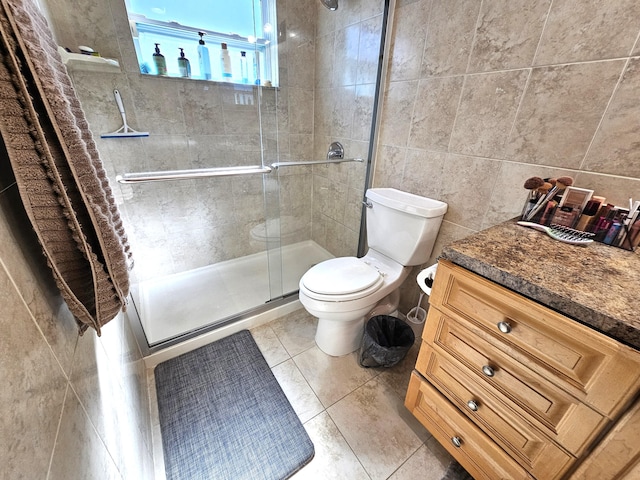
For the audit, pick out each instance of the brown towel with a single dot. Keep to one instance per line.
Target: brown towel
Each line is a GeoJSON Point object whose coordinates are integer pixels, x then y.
{"type": "Point", "coordinates": [59, 174]}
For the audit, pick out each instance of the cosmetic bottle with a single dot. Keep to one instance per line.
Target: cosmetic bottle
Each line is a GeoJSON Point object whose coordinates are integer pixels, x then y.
{"type": "Point", "coordinates": [244, 68]}
{"type": "Point", "coordinates": [225, 62]}
{"type": "Point", "coordinates": [159, 61]}
{"type": "Point", "coordinates": [183, 65]}
{"type": "Point", "coordinates": [203, 59]}
{"type": "Point", "coordinates": [256, 67]}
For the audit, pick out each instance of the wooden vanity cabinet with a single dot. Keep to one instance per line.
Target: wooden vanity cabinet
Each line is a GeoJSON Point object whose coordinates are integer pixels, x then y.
{"type": "Point", "coordinates": [523, 391]}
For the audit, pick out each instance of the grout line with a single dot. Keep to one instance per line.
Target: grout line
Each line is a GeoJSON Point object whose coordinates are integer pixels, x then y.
{"type": "Point", "coordinates": [544, 28]}
{"type": "Point", "coordinates": [55, 441]}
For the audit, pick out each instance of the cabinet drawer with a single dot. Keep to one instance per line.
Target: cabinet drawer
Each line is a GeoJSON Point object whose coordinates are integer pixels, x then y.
{"type": "Point", "coordinates": [527, 445]}
{"type": "Point", "coordinates": [476, 452]}
{"type": "Point", "coordinates": [594, 368]}
{"type": "Point", "coordinates": [560, 416]}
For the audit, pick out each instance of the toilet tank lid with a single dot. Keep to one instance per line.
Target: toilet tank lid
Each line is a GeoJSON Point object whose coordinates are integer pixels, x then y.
{"type": "Point", "coordinates": [407, 202]}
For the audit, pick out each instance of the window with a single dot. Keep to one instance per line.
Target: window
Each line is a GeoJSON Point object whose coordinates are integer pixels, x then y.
{"type": "Point", "coordinates": [247, 26]}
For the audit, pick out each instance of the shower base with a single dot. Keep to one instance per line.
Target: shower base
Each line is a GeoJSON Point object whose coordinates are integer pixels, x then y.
{"type": "Point", "coordinates": [174, 305]}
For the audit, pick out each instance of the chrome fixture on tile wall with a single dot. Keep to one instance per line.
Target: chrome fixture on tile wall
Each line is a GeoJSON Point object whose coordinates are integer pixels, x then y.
{"type": "Point", "coordinates": [330, 4]}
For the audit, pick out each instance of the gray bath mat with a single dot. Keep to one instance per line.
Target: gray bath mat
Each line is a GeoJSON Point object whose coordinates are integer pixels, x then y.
{"type": "Point", "coordinates": [224, 416]}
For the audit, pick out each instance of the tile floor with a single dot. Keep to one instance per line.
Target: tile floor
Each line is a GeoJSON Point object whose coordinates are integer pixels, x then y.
{"type": "Point", "coordinates": [355, 416]}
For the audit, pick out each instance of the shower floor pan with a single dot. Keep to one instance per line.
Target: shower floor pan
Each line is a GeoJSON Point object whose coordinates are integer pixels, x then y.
{"type": "Point", "coordinates": [176, 304]}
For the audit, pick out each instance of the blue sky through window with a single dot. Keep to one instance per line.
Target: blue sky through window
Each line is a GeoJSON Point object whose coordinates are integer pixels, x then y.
{"type": "Point", "coordinates": [221, 16]}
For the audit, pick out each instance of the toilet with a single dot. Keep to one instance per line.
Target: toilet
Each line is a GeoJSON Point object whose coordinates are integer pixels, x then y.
{"type": "Point", "coordinates": [343, 292]}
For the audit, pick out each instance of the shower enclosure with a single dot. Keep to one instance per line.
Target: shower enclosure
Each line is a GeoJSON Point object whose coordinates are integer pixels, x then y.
{"type": "Point", "coordinates": [235, 193]}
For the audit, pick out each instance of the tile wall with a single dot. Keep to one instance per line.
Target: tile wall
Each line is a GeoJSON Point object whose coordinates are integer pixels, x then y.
{"type": "Point", "coordinates": [482, 95]}
{"type": "Point", "coordinates": [72, 407]}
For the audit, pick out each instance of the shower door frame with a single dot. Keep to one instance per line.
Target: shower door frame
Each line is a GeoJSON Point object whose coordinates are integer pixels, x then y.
{"type": "Point", "coordinates": [287, 300]}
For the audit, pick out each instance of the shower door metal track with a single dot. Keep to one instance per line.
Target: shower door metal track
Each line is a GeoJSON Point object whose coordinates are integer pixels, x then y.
{"type": "Point", "coordinates": [163, 176]}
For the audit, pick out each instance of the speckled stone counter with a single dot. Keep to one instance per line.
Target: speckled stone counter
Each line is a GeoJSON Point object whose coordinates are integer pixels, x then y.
{"type": "Point", "coordinates": [597, 285]}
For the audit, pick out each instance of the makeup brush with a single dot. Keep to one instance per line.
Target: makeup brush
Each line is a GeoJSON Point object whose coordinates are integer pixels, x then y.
{"type": "Point", "coordinates": [532, 184]}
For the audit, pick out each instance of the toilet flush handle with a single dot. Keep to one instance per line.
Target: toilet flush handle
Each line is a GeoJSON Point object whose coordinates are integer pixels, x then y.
{"type": "Point", "coordinates": [367, 203]}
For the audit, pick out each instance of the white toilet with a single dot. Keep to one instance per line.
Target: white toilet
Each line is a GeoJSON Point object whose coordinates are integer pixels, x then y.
{"type": "Point", "coordinates": [343, 292]}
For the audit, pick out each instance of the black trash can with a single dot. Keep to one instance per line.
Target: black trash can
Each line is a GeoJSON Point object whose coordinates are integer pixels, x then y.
{"type": "Point", "coordinates": [385, 342]}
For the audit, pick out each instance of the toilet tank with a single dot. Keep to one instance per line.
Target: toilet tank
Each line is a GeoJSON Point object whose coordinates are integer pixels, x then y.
{"type": "Point", "coordinates": [403, 226]}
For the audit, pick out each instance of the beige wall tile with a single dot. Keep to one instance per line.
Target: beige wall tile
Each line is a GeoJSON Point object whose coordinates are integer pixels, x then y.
{"type": "Point", "coordinates": [486, 113]}
{"type": "Point", "coordinates": [508, 33]}
{"type": "Point", "coordinates": [582, 30]}
{"type": "Point", "coordinates": [451, 30]}
{"type": "Point", "coordinates": [369, 50]}
{"type": "Point", "coordinates": [615, 146]}
{"type": "Point", "coordinates": [424, 173]}
{"type": "Point", "coordinates": [467, 188]}
{"type": "Point", "coordinates": [398, 101]}
{"type": "Point", "coordinates": [434, 112]}
{"type": "Point", "coordinates": [33, 391]}
{"type": "Point", "coordinates": [560, 112]}
{"type": "Point", "coordinates": [617, 190]}
{"type": "Point", "coordinates": [411, 24]}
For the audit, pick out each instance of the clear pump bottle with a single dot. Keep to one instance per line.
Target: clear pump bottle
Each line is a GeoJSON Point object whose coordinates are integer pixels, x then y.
{"type": "Point", "coordinates": [183, 65]}
{"type": "Point", "coordinates": [159, 61]}
{"type": "Point", "coordinates": [244, 68]}
{"type": "Point", "coordinates": [225, 62]}
{"type": "Point", "coordinates": [203, 59]}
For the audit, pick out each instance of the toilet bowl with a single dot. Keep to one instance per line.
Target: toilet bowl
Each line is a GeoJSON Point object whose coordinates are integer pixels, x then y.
{"type": "Point", "coordinates": [342, 292]}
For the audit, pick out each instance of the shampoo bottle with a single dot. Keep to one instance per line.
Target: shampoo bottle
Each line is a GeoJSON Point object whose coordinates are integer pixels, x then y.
{"type": "Point", "coordinates": [244, 68]}
{"type": "Point", "coordinates": [183, 65]}
{"type": "Point", "coordinates": [203, 59]}
{"type": "Point", "coordinates": [256, 67]}
{"type": "Point", "coordinates": [159, 61]}
{"type": "Point", "coordinates": [225, 62]}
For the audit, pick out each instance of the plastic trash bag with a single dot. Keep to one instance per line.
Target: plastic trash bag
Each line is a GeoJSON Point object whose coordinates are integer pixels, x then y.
{"type": "Point", "coordinates": [385, 342]}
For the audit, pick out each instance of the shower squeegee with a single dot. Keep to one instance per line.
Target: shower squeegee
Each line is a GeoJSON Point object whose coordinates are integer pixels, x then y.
{"type": "Point", "coordinates": [125, 130]}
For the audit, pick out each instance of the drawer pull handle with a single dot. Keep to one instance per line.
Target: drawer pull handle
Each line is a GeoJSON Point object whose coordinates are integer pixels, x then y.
{"type": "Point", "coordinates": [457, 441]}
{"type": "Point", "coordinates": [504, 327]}
{"type": "Point", "coordinates": [472, 405]}
{"type": "Point", "coordinates": [488, 371]}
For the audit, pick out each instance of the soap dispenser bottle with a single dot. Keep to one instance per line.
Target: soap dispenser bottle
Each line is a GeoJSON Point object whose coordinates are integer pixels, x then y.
{"type": "Point", "coordinates": [183, 65]}
{"type": "Point", "coordinates": [225, 62]}
{"type": "Point", "coordinates": [244, 68]}
{"type": "Point", "coordinates": [203, 59]}
{"type": "Point", "coordinates": [159, 61]}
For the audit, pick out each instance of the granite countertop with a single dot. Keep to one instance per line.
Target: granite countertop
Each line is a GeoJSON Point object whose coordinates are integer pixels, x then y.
{"type": "Point", "coordinates": [597, 285]}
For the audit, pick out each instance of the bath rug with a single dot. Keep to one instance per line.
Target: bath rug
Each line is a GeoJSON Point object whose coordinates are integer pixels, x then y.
{"type": "Point", "coordinates": [224, 416]}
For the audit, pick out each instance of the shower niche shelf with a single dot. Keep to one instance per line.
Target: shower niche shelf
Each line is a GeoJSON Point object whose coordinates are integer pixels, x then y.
{"type": "Point", "coordinates": [88, 63]}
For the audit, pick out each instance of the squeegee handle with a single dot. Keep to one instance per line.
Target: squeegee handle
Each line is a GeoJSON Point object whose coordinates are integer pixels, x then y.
{"type": "Point", "coordinates": [116, 93]}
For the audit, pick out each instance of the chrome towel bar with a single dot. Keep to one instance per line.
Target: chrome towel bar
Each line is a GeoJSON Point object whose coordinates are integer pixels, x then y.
{"type": "Point", "coordinates": [166, 175]}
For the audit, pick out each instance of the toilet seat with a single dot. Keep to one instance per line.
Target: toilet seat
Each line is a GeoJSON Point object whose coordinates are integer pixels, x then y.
{"type": "Point", "coordinates": [341, 279]}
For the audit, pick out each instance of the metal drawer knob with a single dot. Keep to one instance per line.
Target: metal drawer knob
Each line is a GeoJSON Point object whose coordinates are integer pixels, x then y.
{"type": "Point", "coordinates": [504, 327]}
{"type": "Point", "coordinates": [457, 441]}
{"type": "Point", "coordinates": [488, 371]}
{"type": "Point", "coordinates": [472, 405]}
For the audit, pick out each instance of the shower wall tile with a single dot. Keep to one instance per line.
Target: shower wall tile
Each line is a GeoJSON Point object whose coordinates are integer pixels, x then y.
{"type": "Point", "coordinates": [434, 112]}
{"type": "Point", "coordinates": [299, 74]}
{"type": "Point", "coordinates": [34, 389]}
{"type": "Point", "coordinates": [157, 101]}
{"type": "Point", "coordinates": [560, 112]}
{"type": "Point", "coordinates": [411, 23]}
{"type": "Point", "coordinates": [507, 34]}
{"type": "Point", "coordinates": [449, 40]}
{"type": "Point", "coordinates": [615, 147]}
{"type": "Point", "coordinates": [344, 105]}
{"type": "Point", "coordinates": [202, 105]}
{"type": "Point", "coordinates": [101, 36]}
{"type": "Point", "coordinates": [165, 152]}
{"type": "Point", "coordinates": [486, 113]}
{"type": "Point", "coordinates": [346, 60]}
{"type": "Point", "coordinates": [399, 99]}
{"type": "Point", "coordinates": [239, 117]}
{"type": "Point", "coordinates": [325, 60]}
{"type": "Point", "coordinates": [583, 30]}
{"type": "Point", "coordinates": [301, 111]}
{"type": "Point", "coordinates": [369, 50]}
